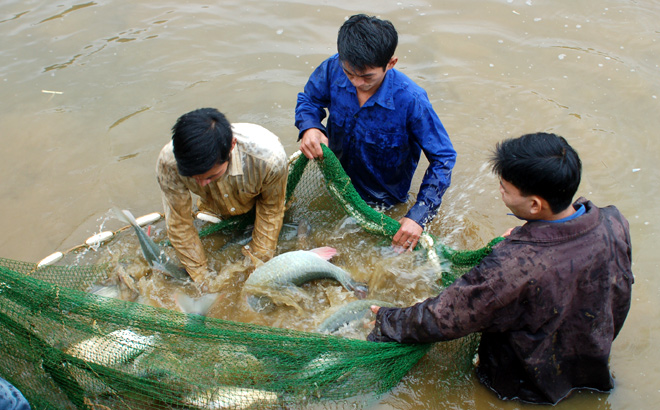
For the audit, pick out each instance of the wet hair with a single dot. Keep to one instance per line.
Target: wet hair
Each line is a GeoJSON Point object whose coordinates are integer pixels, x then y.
{"type": "Point", "coordinates": [540, 164]}
{"type": "Point", "coordinates": [202, 139]}
{"type": "Point", "coordinates": [365, 42]}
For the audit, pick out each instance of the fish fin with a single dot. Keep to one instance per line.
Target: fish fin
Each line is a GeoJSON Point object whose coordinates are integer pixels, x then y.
{"type": "Point", "coordinates": [255, 261]}
{"type": "Point", "coordinates": [325, 252]}
{"type": "Point", "coordinates": [197, 306]}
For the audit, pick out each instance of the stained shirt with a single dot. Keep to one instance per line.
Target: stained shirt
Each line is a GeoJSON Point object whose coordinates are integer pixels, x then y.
{"type": "Point", "coordinates": [255, 177]}
{"type": "Point", "coordinates": [379, 144]}
{"type": "Point", "coordinates": [549, 300]}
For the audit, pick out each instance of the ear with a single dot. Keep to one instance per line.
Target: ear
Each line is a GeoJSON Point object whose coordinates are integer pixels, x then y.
{"type": "Point", "coordinates": [392, 63]}
{"type": "Point", "coordinates": [536, 205]}
{"type": "Point", "coordinates": [233, 143]}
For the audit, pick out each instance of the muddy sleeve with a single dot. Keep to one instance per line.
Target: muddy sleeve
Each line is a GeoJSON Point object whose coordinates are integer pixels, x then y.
{"type": "Point", "coordinates": [269, 211]}
{"type": "Point", "coordinates": [177, 203]}
{"type": "Point", "coordinates": [481, 300]}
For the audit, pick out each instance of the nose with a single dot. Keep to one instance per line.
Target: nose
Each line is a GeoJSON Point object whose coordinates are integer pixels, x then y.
{"type": "Point", "coordinates": [203, 182]}
{"type": "Point", "coordinates": [357, 82]}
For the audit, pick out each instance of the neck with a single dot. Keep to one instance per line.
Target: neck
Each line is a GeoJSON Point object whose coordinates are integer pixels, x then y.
{"type": "Point", "coordinates": [363, 97]}
{"type": "Point", "coordinates": [563, 214]}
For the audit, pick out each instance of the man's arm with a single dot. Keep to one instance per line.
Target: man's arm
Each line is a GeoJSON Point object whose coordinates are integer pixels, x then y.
{"type": "Point", "coordinates": [481, 300]}
{"type": "Point", "coordinates": [438, 149]}
{"type": "Point", "coordinates": [270, 211]}
{"type": "Point", "coordinates": [310, 111]}
{"type": "Point", "coordinates": [177, 203]}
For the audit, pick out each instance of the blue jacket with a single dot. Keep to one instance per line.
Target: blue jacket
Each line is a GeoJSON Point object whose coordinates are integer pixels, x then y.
{"type": "Point", "coordinates": [380, 143]}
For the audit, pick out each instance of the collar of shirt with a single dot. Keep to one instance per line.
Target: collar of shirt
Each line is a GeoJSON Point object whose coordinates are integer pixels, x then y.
{"type": "Point", "coordinates": [235, 166]}
{"type": "Point", "coordinates": [578, 211]}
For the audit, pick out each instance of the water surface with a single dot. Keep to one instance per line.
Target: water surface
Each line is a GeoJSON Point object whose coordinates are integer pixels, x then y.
{"type": "Point", "coordinates": [90, 91]}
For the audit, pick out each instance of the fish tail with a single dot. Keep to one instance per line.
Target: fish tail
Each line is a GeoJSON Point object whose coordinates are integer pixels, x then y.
{"type": "Point", "coordinates": [360, 290]}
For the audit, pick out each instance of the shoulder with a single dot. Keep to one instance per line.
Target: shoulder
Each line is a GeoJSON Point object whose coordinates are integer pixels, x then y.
{"type": "Point", "coordinates": [259, 142]}
{"type": "Point", "coordinates": [612, 222]}
{"type": "Point", "coordinates": [167, 172]}
{"type": "Point", "coordinates": [402, 84]}
{"type": "Point", "coordinates": [166, 157]}
{"type": "Point", "coordinates": [330, 64]}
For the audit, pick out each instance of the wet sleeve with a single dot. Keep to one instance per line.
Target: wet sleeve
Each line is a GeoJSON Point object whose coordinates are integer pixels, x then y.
{"type": "Point", "coordinates": [481, 300]}
{"type": "Point", "coordinates": [311, 103]}
{"type": "Point", "coordinates": [439, 151]}
{"type": "Point", "coordinates": [270, 210]}
{"type": "Point", "coordinates": [177, 203]}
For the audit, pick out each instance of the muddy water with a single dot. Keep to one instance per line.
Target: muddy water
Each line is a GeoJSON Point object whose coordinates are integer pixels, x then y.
{"type": "Point", "coordinates": [120, 73]}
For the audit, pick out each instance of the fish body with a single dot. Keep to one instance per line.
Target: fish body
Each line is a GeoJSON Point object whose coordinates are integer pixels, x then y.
{"type": "Point", "coordinates": [229, 397]}
{"type": "Point", "coordinates": [348, 313]}
{"type": "Point", "coordinates": [297, 268]}
{"type": "Point", "coordinates": [117, 347]}
{"type": "Point", "coordinates": [155, 256]}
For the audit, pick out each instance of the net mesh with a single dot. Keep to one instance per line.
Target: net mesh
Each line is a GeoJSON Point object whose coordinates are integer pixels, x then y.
{"type": "Point", "coordinates": [64, 348]}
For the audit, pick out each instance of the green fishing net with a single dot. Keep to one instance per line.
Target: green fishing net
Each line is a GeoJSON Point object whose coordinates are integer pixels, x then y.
{"type": "Point", "coordinates": [64, 348]}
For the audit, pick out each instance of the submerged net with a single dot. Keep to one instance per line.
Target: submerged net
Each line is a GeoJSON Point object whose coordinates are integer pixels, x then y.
{"type": "Point", "coordinates": [64, 348]}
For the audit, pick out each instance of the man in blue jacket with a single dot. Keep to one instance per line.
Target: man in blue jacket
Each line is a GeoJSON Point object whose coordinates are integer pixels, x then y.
{"type": "Point", "coordinates": [379, 122]}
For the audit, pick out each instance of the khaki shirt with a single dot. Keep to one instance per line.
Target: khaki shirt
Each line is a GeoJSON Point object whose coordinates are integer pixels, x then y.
{"type": "Point", "coordinates": [256, 176]}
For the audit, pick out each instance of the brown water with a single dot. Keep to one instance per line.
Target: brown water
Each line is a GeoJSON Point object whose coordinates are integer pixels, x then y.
{"type": "Point", "coordinates": [124, 71]}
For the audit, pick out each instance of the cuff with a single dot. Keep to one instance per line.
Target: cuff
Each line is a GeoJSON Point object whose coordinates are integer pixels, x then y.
{"type": "Point", "coordinates": [422, 214]}
{"type": "Point", "coordinates": [310, 124]}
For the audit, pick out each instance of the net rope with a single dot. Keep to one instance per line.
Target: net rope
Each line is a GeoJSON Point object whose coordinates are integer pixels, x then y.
{"type": "Point", "coordinates": [64, 348]}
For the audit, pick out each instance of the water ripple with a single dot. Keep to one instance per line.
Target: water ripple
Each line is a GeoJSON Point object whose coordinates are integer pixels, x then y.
{"type": "Point", "coordinates": [69, 10]}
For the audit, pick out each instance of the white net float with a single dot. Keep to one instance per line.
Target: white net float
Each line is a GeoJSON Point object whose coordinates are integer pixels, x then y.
{"type": "Point", "coordinates": [148, 219]}
{"type": "Point", "coordinates": [50, 259]}
{"type": "Point", "coordinates": [203, 216]}
{"type": "Point", "coordinates": [99, 238]}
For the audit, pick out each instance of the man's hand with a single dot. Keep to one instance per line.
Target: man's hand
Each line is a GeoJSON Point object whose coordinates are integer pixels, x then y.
{"type": "Point", "coordinates": [311, 141]}
{"type": "Point", "coordinates": [508, 232]}
{"type": "Point", "coordinates": [375, 310]}
{"type": "Point", "coordinates": [408, 235]}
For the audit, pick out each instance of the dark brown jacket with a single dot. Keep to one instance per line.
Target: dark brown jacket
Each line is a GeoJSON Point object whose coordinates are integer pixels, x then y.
{"type": "Point", "coordinates": [549, 301]}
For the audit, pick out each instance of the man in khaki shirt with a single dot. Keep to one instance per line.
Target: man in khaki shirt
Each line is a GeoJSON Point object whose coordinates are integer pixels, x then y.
{"type": "Point", "coordinates": [232, 169]}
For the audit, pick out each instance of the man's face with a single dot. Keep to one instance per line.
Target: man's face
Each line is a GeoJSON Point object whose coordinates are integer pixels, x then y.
{"type": "Point", "coordinates": [216, 172]}
{"type": "Point", "coordinates": [212, 174]}
{"type": "Point", "coordinates": [519, 204]}
{"type": "Point", "coordinates": [369, 79]}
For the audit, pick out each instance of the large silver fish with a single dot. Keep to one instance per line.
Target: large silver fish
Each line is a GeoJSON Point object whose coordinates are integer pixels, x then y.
{"type": "Point", "coordinates": [112, 349]}
{"type": "Point", "coordinates": [120, 346]}
{"type": "Point", "coordinates": [229, 397]}
{"type": "Point", "coordinates": [294, 269]}
{"type": "Point", "coordinates": [348, 313]}
{"type": "Point", "coordinates": [155, 256]}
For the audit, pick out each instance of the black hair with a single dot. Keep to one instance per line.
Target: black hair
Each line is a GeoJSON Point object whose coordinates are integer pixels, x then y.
{"type": "Point", "coordinates": [202, 139]}
{"type": "Point", "coordinates": [540, 164]}
{"type": "Point", "coordinates": [365, 42]}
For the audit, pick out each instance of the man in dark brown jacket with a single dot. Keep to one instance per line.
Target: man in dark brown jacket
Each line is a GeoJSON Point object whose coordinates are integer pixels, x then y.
{"type": "Point", "coordinates": [550, 299]}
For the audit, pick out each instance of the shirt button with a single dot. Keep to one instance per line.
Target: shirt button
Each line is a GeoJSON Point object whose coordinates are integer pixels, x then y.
{"type": "Point", "coordinates": [226, 195]}
{"type": "Point", "coordinates": [233, 209]}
